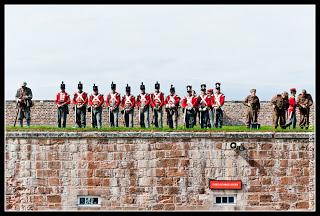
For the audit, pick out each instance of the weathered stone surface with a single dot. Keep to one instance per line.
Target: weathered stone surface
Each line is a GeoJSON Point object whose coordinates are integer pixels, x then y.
{"type": "Point", "coordinates": [158, 170]}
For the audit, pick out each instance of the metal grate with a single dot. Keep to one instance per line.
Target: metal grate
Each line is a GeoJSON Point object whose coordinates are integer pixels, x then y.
{"type": "Point", "coordinates": [225, 199]}
{"type": "Point", "coordinates": [89, 201]}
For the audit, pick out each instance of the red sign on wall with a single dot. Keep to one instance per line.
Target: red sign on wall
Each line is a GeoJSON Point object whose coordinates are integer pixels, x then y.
{"type": "Point", "coordinates": [225, 184]}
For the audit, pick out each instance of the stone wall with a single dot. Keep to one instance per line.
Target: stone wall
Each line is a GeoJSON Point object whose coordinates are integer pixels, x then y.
{"type": "Point", "coordinates": [158, 170]}
{"type": "Point", "coordinates": [44, 113]}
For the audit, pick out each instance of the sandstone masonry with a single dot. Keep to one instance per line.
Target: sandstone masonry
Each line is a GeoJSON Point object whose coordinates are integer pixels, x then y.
{"type": "Point", "coordinates": [158, 170]}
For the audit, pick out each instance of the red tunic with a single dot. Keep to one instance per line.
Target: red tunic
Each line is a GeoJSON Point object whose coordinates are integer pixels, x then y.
{"type": "Point", "coordinates": [80, 98]}
{"type": "Point", "coordinates": [191, 101]}
{"type": "Point", "coordinates": [217, 100]}
{"type": "Point", "coordinates": [292, 106]}
{"type": "Point", "coordinates": [172, 101]}
{"type": "Point", "coordinates": [157, 98]}
{"type": "Point", "coordinates": [62, 98]}
{"type": "Point", "coordinates": [206, 100]}
{"type": "Point", "coordinates": [96, 99]}
{"type": "Point", "coordinates": [128, 101]}
{"type": "Point", "coordinates": [143, 98]}
{"type": "Point", "coordinates": [210, 99]}
{"type": "Point", "coordinates": [113, 99]}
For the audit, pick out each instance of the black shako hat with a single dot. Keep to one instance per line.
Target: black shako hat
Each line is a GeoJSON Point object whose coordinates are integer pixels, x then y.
{"type": "Point", "coordinates": [128, 89]}
{"type": "Point", "coordinates": [172, 89]}
{"type": "Point", "coordinates": [95, 88]}
{"type": "Point", "coordinates": [218, 85]}
{"type": "Point", "coordinates": [113, 86]}
{"type": "Point", "coordinates": [189, 88]}
{"type": "Point", "coordinates": [203, 87]}
{"type": "Point", "coordinates": [63, 86]}
{"type": "Point", "coordinates": [80, 86]}
{"type": "Point", "coordinates": [142, 86]}
{"type": "Point", "coordinates": [157, 85]}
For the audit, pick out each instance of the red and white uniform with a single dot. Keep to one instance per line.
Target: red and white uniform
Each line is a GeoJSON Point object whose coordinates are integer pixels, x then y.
{"type": "Point", "coordinates": [143, 99]}
{"type": "Point", "coordinates": [189, 102]}
{"type": "Point", "coordinates": [204, 102]}
{"type": "Point", "coordinates": [128, 102]}
{"type": "Point", "coordinates": [96, 100]}
{"type": "Point", "coordinates": [113, 100]}
{"type": "Point", "coordinates": [172, 101]}
{"type": "Point", "coordinates": [210, 99]}
{"type": "Point", "coordinates": [80, 98]}
{"type": "Point", "coordinates": [62, 97]}
{"type": "Point", "coordinates": [157, 99]}
{"type": "Point", "coordinates": [292, 105]}
{"type": "Point", "coordinates": [217, 100]}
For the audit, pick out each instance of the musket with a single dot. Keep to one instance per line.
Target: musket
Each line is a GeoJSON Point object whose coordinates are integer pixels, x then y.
{"type": "Point", "coordinates": [91, 116]}
{"type": "Point", "coordinates": [139, 115]}
{"type": "Point", "coordinates": [124, 115]}
{"type": "Point", "coordinates": [152, 121]}
{"type": "Point", "coordinates": [109, 111]}
{"type": "Point", "coordinates": [184, 116]}
{"type": "Point", "coordinates": [75, 114]}
{"type": "Point", "coordinates": [15, 121]}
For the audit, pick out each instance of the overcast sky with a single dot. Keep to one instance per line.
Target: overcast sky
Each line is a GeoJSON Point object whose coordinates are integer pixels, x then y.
{"type": "Point", "coordinates": [270, 48]}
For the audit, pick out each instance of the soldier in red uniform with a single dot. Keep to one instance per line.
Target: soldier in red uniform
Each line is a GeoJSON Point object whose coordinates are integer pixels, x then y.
{"type": "Point", "coordinates": [128, 103]}
{"type": "Point", "coordinates": [292, 109]}
{"type": "Point", "coordinates": [96, 101]}
{"type": "Point", "coordinates": [204, 103]}
{"type": "Point", "coordinates": [196, 113]}
{"type": "Point", "coordinates": [62, 101]}
{"type": "Point", "coordinates": [113, 102]}
{"type": "Point", "coordinates": [189, 104]}
{"type": "Point", "coordinates": [157, 102]}
{"type": "Point", "coordinates": [172, 105]}
{"type": "Point", "coordinates": [211, 112]}
{"type": "Point", "coordinates": [217, 102]}
{"type": "Point", "coordinates": [143, 103]}
{"type": "Point", "coordinates": [80, 101]}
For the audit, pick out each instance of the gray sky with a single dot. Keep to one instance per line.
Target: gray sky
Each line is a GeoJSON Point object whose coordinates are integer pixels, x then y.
{"type": "Point", "coordinates": [270, 48]}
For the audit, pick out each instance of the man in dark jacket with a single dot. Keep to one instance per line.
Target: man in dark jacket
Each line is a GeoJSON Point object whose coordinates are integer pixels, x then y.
{"type": "Point", "coordinates": [24, 102]}
{"type": "Point", "coordinates": [253, 104]}
{"type": "Point", "coordinates": [280, 104]}
{"type": "Point", "coordinates": [304, 103]}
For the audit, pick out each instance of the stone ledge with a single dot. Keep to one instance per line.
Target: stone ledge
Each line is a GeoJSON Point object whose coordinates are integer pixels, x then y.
{"type": "Point", "coordinates": [134, 134]}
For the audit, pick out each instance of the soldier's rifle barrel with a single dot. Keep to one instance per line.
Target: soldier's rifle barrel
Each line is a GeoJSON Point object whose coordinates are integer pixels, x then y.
{"type": "Point", "coordinates": [91, 115]}
{"type": "Point", "coordinates": [75, 114]}
{"type": "Point", "coordinates": [15, 121]}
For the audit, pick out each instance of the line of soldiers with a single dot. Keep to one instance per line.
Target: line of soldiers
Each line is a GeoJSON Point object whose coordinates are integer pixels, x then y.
{"type": "Point", "coordinates": [207, 107]}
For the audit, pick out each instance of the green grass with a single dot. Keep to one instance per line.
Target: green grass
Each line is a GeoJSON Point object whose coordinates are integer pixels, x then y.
{"type": "Point", "coordinates": [164, 129]}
